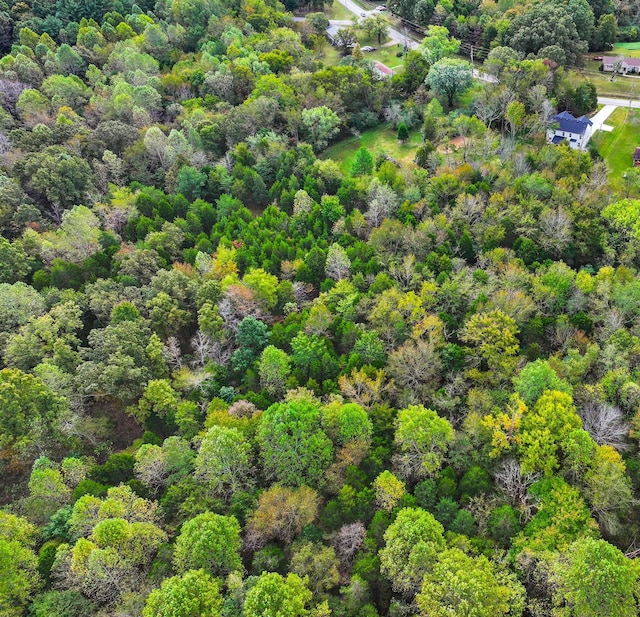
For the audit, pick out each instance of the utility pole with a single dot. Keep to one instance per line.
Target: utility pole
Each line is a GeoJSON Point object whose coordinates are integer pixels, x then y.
{"type": "Point", "coordinates": [626, 181]}
{"type": "Point", "coordinates": [404, 32]}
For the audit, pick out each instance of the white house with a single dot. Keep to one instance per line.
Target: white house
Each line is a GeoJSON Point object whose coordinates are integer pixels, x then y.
{"type": "Point", "coordinates": [620, 64]}
{"type": "Point", "coordinates": [575, 131]}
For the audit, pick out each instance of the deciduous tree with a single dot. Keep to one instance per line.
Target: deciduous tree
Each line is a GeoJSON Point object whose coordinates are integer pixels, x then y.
{"type": "Point", "coordinates": [422, 439]}
{"type": "Point", "coordinates": [281, 514]}
{"type": "Point", "coordinates": [294, 448]}
{"type": "Point", "coordinates": [470, 586]}
{"type": "Point", "coordinates": [449, 78]}
{"type": "Point", "coordinates": [547, 24]}
{"type": "Point", "coordinates": [543, 429]}
{"type": "Point", "coordinates": [595, 578]}
{"type": "Point", "coordinates": [318, 564]}
{"type": "Point", "coordinates": [438, 44]}
{"type": "Point", "coordinates": [493, 339]}
{"type": "Point", "coordinates": [210, 542]}
{"type": "Point", "coordinates": [412, 543]}
{"type": "Point", "coordinates": [276, 596]}
{"type": "Point", "coordinates": [224, 461]}
{"type": "Point", "coordinates": [274, 369]}
{"type": "Point", "coordinates": [29, 415]}
{"type": "Point", "coordinates": [320, 124]}
{"type": "Point", "coordinates": [194, 593]}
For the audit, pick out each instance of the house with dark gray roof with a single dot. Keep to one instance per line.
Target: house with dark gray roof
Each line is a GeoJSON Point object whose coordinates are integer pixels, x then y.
{"type": "Point", "coordinates": [331, 33]}
{"type": "Point", "coordinates": [575, 131]}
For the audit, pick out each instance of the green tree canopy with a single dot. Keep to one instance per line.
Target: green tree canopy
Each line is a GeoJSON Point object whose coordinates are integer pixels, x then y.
{"type": "Point", "coordinates": [194, 593]}
{"type": "Point", "coordinates": [535, 378]}
{"type": "Point", "coordinates": [469, 587]}
{"type": "Point", "coordinates": [595, 578]}
{"type": "Point", "coordinates": [438, 44]}
{"type": "Point", "coordinates": [210, 542]}
{"type": "Point", "coordinates": [294, 448]}
{"type": "Point", "coordinates": [412, 543]}
{"type": "Point", "coordinates": [321, 124]}
{"type": "Point", "coordinates": [546, 24]}
{"type": "Point", "coordinates": [543, 430]}
{"type": "Point", "coordinates": [29, 415]}
{"type": "Point", "coordinates": [224, 461]}
{"type": "Point", "coordinates": [422, 439]}
{"type": "Point", "coordinates": [449, 78]}
{"type": "Point", "coordinates": [362, 163]}
{"type": "Point", "coordinates": [276, 596]}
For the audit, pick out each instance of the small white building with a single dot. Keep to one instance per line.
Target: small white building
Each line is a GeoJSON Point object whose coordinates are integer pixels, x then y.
{"type": "Point", "coordinates": [575, 131]}
{"type": "Point", "coordinates": [382, 69]}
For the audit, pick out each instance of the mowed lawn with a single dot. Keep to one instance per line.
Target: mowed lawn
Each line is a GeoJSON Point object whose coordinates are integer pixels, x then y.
{"type": "Point", "coordinates": [617, 147]}
{"type": "Point", "coordinates": [331, 56]}
{"type": "Point", "coordinates": [338, 11]}
{"type": "Point", "coordinates": [380, 139]}
{"type": "Point", "coordinates": [626, 49]}
{"type": "Point", "coordinates": [465, 100]}
{"type": "Point", "coordinates": [386, 55]}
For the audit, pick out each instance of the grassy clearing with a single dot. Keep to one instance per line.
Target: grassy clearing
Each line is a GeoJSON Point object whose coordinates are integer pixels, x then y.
{"type": "Point", "coordinates": [618, 146]}
{"type": "Point", "coordinates": [464, 101]}
{"type": "Point", "coordinates": [627, 49]}
{"type": "Point", "coordinates": [338, 11]}
{"type": "Point", "coordinates": [329, 56]}
{"type": "Point", "coordinates": [380, 139]}
{"type": "Point", "coordinates": [386, 55]}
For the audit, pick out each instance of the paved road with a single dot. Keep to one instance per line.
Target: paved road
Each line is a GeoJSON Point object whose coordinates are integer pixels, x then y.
{"type": "Point", "coordinates": [484, 76]}
{"type": "Point", "coordinates": [606, 100]}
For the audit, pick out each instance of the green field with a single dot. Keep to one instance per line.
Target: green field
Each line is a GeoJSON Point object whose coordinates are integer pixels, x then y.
{"type": "Point", "coordinates": [464, 101]}
{"type": "Point", "coordinates": [338, 11]}
{"type": "Point", "coordinates": [381, 139]}
{"type": "Point", "coordinates": [627, 49]}
{"type": "Point", "coordinates": [330, 56]}
{"type": "Point", "coordinates": [618, 146]}
{"type": "Point", "coordinates": [386, 55]}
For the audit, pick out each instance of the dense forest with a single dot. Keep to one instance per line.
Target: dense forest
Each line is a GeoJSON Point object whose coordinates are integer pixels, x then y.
{"type": "Point", "coordinates": [242, 378]}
